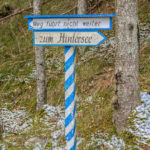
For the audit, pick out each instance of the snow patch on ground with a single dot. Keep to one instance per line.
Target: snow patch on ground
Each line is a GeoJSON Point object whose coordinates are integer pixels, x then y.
{"type": "Point", "coordinates": [102, 140]}
{"type": "Point", "coordinates": [57, 125]}
{"type": "Point", "coordinates": [141, 122]}
{"type": "Point", "coordinates": [14, 121]}
{"type": "Point", "coordinates": [140, 128]}
{"type": "Point", "coordinates": [2, 146]}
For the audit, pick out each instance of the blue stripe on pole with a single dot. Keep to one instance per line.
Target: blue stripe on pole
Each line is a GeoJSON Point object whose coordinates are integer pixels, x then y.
{"type": "Point", "coordinates": [69, 81]}
{"type": "Point", "coordinates": [74, 146]}
{"type": "Point", "coordinates": [67, 49]}
{"type": "Point", "coordinates": [70, 62]}
{"type": "Point", "coordinates": [70, 117]}
{"type": "Point", "coordinates": [70, 99]}
{"type": "Point", "coordinates": [70, 135]}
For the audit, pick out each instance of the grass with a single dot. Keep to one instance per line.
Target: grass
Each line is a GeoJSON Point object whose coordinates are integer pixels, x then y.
{"type": "Point", "coordinates": [144, 9]}
{"type": "Point", "coordinates": [94, 75]}
{"type": "Point", "coordinates": [145, 68]}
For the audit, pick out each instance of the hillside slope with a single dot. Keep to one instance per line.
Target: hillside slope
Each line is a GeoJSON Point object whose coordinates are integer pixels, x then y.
{"type": "Point", "coordinates": [24, 129]}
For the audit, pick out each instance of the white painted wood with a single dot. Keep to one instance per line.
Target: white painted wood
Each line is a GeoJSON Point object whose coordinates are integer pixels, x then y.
{"type": "Point", "coordinates": [68, 38]}
{"type": "Point", "coordinates": [70, 23]}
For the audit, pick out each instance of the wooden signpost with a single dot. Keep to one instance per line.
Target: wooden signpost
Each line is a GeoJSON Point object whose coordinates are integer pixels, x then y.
{"type": "Point", "coordinates": [71, 22]}
{"type": "Point", "coordinates": [68, 38]}
{"type": "Point", "coordinates": [69, 31]}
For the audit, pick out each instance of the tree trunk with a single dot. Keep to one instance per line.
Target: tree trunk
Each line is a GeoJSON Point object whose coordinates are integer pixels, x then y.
{"type": "Point", "coordinates": [127, 62]}
{"type": "Point", "coordinates": [40, 64]}
{"type": "Point", "coordinates": [1, 125]}
{"type": "Point", "coordinates": [82, 7]}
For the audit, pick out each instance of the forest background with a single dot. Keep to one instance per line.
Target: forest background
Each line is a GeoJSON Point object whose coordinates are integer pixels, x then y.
{"type": "Point", "coordinates": [26, 129]}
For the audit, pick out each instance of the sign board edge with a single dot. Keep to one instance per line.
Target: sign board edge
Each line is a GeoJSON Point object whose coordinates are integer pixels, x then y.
{"type": "Point", "coordinates": [92, 29]}
{"type": "Point", "coordinates": [71, 16]}
{"type": "Point", "coordinates": [69, 44]}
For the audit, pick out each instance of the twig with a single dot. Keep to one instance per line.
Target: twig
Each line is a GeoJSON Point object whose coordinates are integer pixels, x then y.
{"type": "Point", "coordinates": [31, 7]}
{"type": "Point", "coordinates": [19, 12]}
{"type": "Point", "coordinates": [69, 10]}
{"type": "Point", "coordinates": [92, 8]}
{"type": "Point", "coordinates": [27, 9]}
{"type": "Point", "coordinates": [14, 14]}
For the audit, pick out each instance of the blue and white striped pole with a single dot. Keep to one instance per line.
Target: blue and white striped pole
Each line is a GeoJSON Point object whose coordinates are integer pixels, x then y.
{"type": "Point", "coordinates": [70, 97]}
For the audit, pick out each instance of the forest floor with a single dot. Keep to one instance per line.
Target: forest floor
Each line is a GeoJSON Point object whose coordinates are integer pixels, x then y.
{"type": "Point", "coordinates": [47, 131]}
{"type": "Point", "coordinates": [26, 129]}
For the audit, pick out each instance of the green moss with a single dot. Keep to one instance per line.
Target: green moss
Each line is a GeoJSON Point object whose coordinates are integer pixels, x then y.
{"type": "Point", "coordinates": [49, 145]}
{"type": "Point", "coordinates": [129, 138]}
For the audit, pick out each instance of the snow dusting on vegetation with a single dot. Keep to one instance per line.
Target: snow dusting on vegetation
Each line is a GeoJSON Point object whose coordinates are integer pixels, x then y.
{"type": "Point", "coordinates": [102, 140]}
{"type": "Point", "coordinates": [52, 120]}
{"type": "Point", "coordinates": [14, 121]}
{"type": "Point", "coordinates": [141, 121]}
{"type": "Point", "coordinates": [17, 122]}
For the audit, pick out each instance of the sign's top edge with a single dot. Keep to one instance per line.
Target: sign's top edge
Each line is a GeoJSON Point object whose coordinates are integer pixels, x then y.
{"type": "Point", "coordinates": [71, 16]}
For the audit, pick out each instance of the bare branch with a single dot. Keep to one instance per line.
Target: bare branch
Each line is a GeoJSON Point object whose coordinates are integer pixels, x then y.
{"type": "Point", "coordinates": [19, 12]}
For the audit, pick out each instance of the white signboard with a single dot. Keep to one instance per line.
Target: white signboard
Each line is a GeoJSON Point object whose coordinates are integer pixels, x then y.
{"type": "Point", "coordinates": [68, 38]}
{"type": "Point", "coordinates": [69, 23]}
